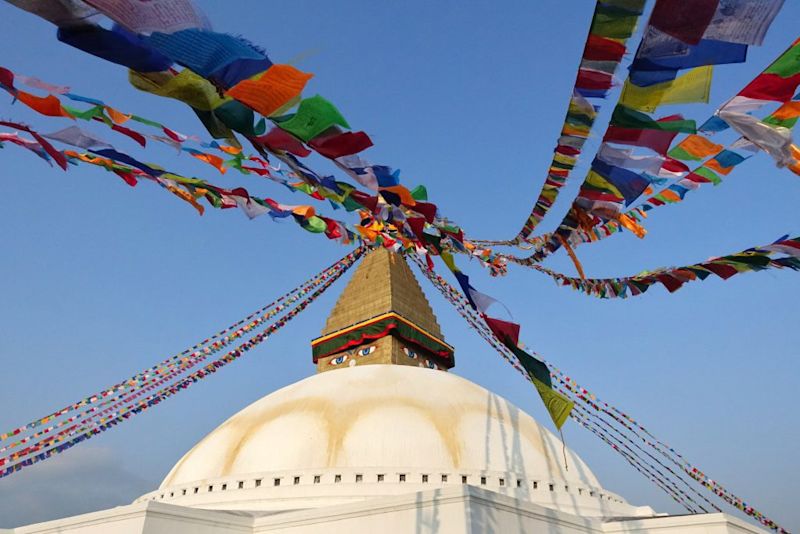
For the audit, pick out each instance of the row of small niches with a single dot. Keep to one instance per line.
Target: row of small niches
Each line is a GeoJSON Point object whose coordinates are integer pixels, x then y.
{"type": "Point", "coordinates": [401, 477]}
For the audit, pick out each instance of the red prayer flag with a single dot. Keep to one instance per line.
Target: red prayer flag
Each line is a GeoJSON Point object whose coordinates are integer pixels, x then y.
{"type": "Point", "coordinates": [603, 49]}
{"type": "Point", "coordinates": [671, 283]}
{"type": "Point", "coordinates": [504, 331]}
{"type": "Point", "coordinates": [341, 144]}
{"type": "Point", "coordinates": [277, 139]}
{"type": "Point", "coordinates": [136, 136]}
{"type": "Point", "coordinates": [653, 139]}
{"type": "Point", "coordinates": [721, 270]}
{"type": "Point", "coordinates": [686, 20]}
{"type": "Point", "coordinates": [771, 87]}
{"type": "Point", "coordinates": [593, 79]}
{"type": "Point", "coordinates": [567, 150]}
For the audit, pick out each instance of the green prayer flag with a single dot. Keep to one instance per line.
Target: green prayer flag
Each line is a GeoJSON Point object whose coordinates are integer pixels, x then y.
{"type": "Point", "coordinates": [419, 193]}
{"type": "Point", "coordinates": [613, 25]}
{"type": "Point", "coordinates": [679, 153]}
{"type": "Point", "coordinates": [315, 225]}
{"type": "Point", "coordinates": [615, 6]}
{"type": "Point", "coordinates": [148, 122]}
{"type": "Point", "coordinates": [786, 123]}
{"type": "Point", "coordinates": [314, 116]}
{"type": "Point", "coordinates": [86, 115]}
{"type": "Point", "coordinates": [350, 204]}
{"type": "Point", "coordinates": [239, 118]}
{"type": "Point", "coordinates": [535, 368]}
{"type": "Point", "coordinates": [705, 172]}
{"type": "Point", "coordinates": [787, 65]}
{"type": "Point", "coordinates": [626, 117]}
{"type": "Point", "coordinates": [556, 404]}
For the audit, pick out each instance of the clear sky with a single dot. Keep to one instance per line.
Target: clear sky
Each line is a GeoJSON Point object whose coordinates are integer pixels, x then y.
{"type": "Point", "coordinates": [99, 280]}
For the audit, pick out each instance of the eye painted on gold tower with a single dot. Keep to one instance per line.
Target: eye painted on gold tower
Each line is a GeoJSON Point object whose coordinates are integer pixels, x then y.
{"type": "Point", "coordinates": [431, 364]}
{"type": "Point", "coordinates": [339, 360]}
{"type": "Point", "coordinates": [366, 351]}
{"type": "Point", "coordinates": [410, 353]}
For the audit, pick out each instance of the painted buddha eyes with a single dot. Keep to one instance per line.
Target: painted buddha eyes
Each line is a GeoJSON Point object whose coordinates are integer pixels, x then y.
{"type": "Point", "coordinates": [351, 355]}
{"type": "Point", "coordinates": [366, 351]}
{"type": "Point", "coordinates": [410, 353]}
{"type": "Point", "coordinates": [431, 365]}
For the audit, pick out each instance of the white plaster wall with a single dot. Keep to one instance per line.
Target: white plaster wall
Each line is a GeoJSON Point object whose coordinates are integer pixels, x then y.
{"type": "Point", "coordinates": [452, 510]}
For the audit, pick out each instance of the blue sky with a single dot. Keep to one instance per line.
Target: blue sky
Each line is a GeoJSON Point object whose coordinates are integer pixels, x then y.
{"type": "Point", "coordinates": [100, 280]}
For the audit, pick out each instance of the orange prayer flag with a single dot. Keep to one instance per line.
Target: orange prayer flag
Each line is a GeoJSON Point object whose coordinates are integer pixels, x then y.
{"type": "Point", "coordinates": [180, 193]}
{"type": "Point", "coordinates": [266, 94]}
{"type": "Point", "coordinates": [699, 146]}
{"type": "Point", "coordinates": [117, 116]}
{"type": "Point", "coordinates": [49, 105]}
{"type": "Point", "coordinates": [232, 150]}
{"type": "Point", "coordinates": [211, 159]}
{"type": "Point", "coordinates": [632, 225]}
{"type": "Point", "coordinates": [714, 165]}
{"type": "Point", "coordinates": [789, 110]}
{"type": "Point", "coordinates": [403, 193]}
{"type": "Point", "coordinates": [575, 131]}
{"type": "Point", "coordinates": [670, 195]}
{"type": "Point", "coordinates": [304, 211]}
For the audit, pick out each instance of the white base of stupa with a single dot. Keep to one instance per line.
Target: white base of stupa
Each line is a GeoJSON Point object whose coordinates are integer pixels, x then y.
{"type": "Point", "coordinates": [451, 510]}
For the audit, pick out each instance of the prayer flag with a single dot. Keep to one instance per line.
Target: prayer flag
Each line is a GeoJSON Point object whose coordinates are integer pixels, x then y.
{"type": "Point", "coordinates": [629, 118]}
{"type": "Point", "coordinates": [694, 86]}
{"type": "Point", "coordinates": [656, 140]}
{"type": "Point", "coordinates": [742, 21]}
{"type": "Point", "coordinates": [314, 116]}
{"type": "Point", "coordinates": [694, 148]}
{"type": "Point", "coordinates": [686, 20]}
{"type": "Point", "coordinates": [272, 90]}
{"type": "Point", "coordinates": [341, 144]}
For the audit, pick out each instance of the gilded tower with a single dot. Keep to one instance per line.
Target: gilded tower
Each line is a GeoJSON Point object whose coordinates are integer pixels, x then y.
{"type": "Point", "coordinates": [382, 317]}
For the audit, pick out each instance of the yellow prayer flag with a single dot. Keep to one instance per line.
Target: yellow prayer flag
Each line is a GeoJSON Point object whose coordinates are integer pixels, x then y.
{"type": "Point", "coordinates": [557, 405]}
{"type": "Point", "coordinates": [694, 86]}
{"type": "Point", "coordinates": [562, 158]}
{"type": "Point", "coordinates": [185, 86]}
{"type": "Point", "coordinates": [597, 181]}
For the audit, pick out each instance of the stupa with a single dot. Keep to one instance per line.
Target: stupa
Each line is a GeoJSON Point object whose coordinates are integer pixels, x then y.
{"type": "Point", "coordinates": [383, 438]}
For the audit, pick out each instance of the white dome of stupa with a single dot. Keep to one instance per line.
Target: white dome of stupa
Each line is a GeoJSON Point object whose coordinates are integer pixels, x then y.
{"type": "Point", "coordinates": [375, 430]}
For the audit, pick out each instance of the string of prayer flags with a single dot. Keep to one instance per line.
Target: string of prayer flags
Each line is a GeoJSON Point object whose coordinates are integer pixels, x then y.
{"type": "Point", "coordinates": [616, 417]}
{"type": "Point", "coordinates": [27, 144]}
{"type": "Point", "coordinates": [752, 259]}
{"type": "Point", "coordinates": [51, 151]}
{"type": "Point", "coordinates": [777, 83]}
{"type": "Point", "coordinates": [664, 39]}
{"type": "Point", "coordinates": [94, 421]}
{"type": "Point", "coordinates": [613, 22]}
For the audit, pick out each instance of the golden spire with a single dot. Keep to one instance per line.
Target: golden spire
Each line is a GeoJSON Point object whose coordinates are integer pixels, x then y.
{"type": "Point", "coordinates": [382, 317]}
